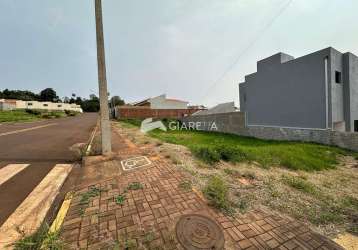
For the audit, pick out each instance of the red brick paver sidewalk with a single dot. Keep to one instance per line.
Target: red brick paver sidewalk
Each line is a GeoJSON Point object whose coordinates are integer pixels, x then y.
{"type": "Point", "coordinates": [147, 217]}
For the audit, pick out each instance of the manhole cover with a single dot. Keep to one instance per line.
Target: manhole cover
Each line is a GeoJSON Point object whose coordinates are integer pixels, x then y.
{"type": "Point", "coordinates": [195, 231]}
{"type": "Point", "coordinates": [135, 162]}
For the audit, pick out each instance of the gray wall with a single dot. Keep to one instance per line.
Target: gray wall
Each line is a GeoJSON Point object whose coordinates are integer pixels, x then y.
{"type": "Point", "coordinates": [336, 64]}
{"type": "Point", "coordinates": [290, 92]}
{"type": "Point", "coordinates": [350, 76]}
{"type": "Point", "coordinates": [235, 123]}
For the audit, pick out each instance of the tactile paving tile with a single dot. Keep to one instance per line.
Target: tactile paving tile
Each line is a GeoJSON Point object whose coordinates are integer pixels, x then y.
{"type": "Point", "coordinates": [135, 162]}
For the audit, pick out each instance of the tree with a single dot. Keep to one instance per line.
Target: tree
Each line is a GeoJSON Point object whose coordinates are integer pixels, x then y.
{"type": "Point", "coordinates": [78, 100]}
{"type": "Point", "coordinates": [90, 105]}
{"type": "Point", "coordinates": [116, 101]}
{"type": "Point", "coordinates": [66, 99]}
{"type": "Point", "coordinates": [24, 95]}
{"type": "Point", "coordinates": [93, 97]}
{"type": "Point", "coordinates": [48, 95]}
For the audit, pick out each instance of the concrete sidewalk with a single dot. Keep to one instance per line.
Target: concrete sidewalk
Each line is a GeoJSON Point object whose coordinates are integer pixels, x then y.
{"type": "Point", "coordinates": [101, 218]}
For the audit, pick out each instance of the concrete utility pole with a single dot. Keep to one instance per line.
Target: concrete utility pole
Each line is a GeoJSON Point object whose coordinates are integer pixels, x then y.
{"type": "Point", "coordinates": [102, 82]}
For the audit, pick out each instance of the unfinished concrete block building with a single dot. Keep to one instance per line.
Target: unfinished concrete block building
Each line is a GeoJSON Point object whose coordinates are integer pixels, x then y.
{"type": "Point", "coordinates": [316, 91]}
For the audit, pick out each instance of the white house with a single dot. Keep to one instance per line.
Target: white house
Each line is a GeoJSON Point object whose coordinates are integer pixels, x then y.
{"type": "Point", "coordinates": [6, 104]}
{"type": "Point", "coordinates": [162, 102]}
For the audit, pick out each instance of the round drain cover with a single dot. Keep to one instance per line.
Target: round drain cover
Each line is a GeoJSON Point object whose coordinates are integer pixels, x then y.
{"type": "Point", "coordinates": [195, 231]}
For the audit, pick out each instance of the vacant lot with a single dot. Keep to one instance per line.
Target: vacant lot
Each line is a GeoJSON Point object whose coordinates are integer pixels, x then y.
{"type": "Point", "coordinates": [313, 183]}
{"type": "Point", "coordinates": [31, 115]}
{"type": "Point", "coordinates": [16, 116]}
{"type": "Point", "coordinates": [212, 147]}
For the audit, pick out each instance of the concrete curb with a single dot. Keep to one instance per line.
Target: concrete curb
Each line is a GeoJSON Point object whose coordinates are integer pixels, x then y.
{"type": "Point", "coordinates": [89, 145]}
{"type": "Point", "coordinates": [57, 223]}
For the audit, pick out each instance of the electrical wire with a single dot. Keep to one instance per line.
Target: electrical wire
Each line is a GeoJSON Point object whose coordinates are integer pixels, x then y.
{"type": "Point", "coordinates": [251, 44]}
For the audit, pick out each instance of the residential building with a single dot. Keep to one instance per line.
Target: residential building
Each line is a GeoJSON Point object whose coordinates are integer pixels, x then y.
{"type": "Point", "coordinates": [156, 107]}
{"type": "Point", "coordinates": [319, 91]}
{"type": "Point", "coordinates": [199, 107]}
{"type": "Point", "coordinates": [221, 108]}
{"type": "Point", "coordinates": [162, 102]}
{"type": "Point", "coordinates": [6, 104]}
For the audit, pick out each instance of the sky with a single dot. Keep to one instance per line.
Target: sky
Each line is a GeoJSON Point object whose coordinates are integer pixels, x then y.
{"type": "Point", "coordinates": [194, 50]}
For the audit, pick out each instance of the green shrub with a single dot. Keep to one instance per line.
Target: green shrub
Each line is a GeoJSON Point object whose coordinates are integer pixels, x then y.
{"type": "Point", "coordinates": [93, 192]}
{"type": "Point", "coordinates": [213, 154]}
{"type": "Point", "coordinates": [229, 171]}
{"type": "Point", "coordinates": [299, 184]}
{"type": "Point", "coordinates": [132, 122]}
{"type": "Point", "coordinates": [70, 113]}
{"type": "Point", "coordinates": [57, 114]}
{"type": "Point", "coordinates": [130, 244]}
{"type": "Point", "coordinates": [242, 204]}
{"type": "Point", "coordinates": [353, 229]}
{"type": "Point", "coordinates": [325, 216]}
{"type": "Point", "coordinates": [135, 186]}
{"type": "Point", "coordinates": [46, 115]}
{"type": "Point", "coordinates": [33, 111]}
{"type": "Point", "coordinates": [185, 185]}
{"type": "Point", "coordinates": [232, 154]}
{"type": "Point", "coordinates": [120, 199]}
{"type": "Point", "coordinates": [207, 154]}
{"type": "Point", "coordinates": [350, 202]}
{"type": "Point", "coordinates": [42, 239]}
{"type": "Point", "coordinates": [216, 191]}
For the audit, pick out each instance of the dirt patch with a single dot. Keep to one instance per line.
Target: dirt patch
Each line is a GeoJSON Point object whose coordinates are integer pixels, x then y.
{"type": "Point", "coordinates": [348, 241]}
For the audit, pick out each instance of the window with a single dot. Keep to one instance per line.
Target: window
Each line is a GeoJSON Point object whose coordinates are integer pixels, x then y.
{"type": "Point", "coordinates": [338, 77]}
{"type": "Point", "coordinates": [355, 125]}
{"type": "Point", "coordinates": [59, 106]}
{"type": "Point", "coordinates": [244, 97]}
{"type": "Point", "coordinates": [45, 105]}
{"type": "Point", "coordinates": [29, 104]}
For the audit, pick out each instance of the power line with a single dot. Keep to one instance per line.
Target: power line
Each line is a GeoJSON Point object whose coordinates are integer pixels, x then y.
{"type": "Point", "coordinates": [251, 44]}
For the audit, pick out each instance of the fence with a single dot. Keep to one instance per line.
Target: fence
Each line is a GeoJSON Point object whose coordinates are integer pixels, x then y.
{"type": "Point", "coordinates": [235, 123]}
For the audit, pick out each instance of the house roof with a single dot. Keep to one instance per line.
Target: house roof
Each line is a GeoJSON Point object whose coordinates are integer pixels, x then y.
{"type": "Point", "coordinates": [218, 109]}
{"type": "Point", "coordinates": [174, 100]}
{"type": "Point", "coordinates": [139, 103]}
{"type": "Point", "coordinates": [12, 101]}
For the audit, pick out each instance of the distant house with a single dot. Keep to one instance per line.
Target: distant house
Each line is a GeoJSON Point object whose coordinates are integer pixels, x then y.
{"type": "Point", "coordinates": [227, 107]}
{"type": "Point", "coordinates": [7, 104]}
{"type": "Point", "coordinates": [319, 91]}
{"type": "Point", "coordinates": [156, 107]}
{"type": "Point", "coordinates": [198, 107]}
{"type": "Point", "coordinates": [162, 102]}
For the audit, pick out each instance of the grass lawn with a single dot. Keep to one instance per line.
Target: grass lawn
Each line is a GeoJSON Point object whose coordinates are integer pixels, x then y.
{"type": "Point", "coordinates": [17, 116]}
{"type": "Point", "coordinates": [212, 147]}
{"type": "Point", "coordinates": [31, 115]}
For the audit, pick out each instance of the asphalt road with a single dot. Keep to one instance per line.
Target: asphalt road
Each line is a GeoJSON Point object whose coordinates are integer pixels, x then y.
{"type": "Point", "coordinates": [41, 144]}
